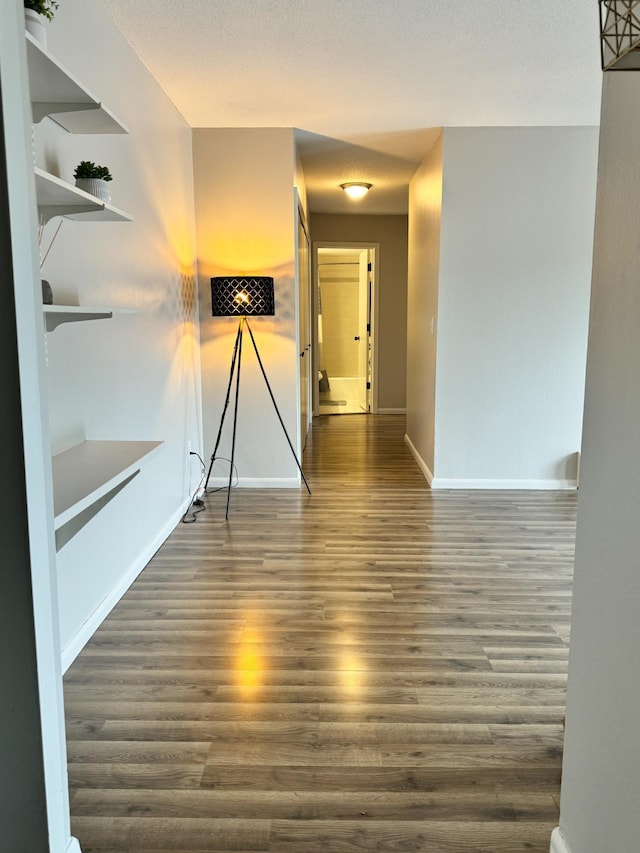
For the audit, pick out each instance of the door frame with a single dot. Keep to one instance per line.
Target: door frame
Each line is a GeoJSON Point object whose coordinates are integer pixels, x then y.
{"type": "Point", "coordinates": [359, 245]}
{"type": "Point", "coordinates": [305, 348]}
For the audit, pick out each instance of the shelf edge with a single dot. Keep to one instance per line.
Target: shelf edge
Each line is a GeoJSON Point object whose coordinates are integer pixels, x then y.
{"type": "Point", "coordinates": [144, 450]}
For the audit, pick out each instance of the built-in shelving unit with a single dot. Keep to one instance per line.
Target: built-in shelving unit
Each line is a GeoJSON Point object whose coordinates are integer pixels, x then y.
{"type": "Point", "coordinates": [55, 92]}
{"type": "Point", "coordinates": [85, 477]}
{"type": "Point", "coordinates": [55, 315]}
{"type": "Point", "coordinates": [89, 475]}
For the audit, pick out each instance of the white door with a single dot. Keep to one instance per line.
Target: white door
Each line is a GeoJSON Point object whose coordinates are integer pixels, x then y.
{"type": "Point", "coordinates": [304, 331]}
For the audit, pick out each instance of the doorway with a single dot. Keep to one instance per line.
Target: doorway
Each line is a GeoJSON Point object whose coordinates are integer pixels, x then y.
{"type": "Point", "coordinates": [345, 303]}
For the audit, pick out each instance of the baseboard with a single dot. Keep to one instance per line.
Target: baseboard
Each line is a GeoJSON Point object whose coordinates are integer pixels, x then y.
{"type": "Point", "coordinates": [392, 411]}
{"type": "Point", "coordinates": [74, 846]}
{"type": "Point", "coordinates": [91, 625]}
{"type": "Point", "coordinates": [421, 463]}
{"type": "Point", "coordinates": [530, 485]}
{"type": "Point", "coordinates": [558, 844]}
{"type": "Point", "coordinates": [257, 483]}
{"type": "Point", "coordinates": [459, 483]}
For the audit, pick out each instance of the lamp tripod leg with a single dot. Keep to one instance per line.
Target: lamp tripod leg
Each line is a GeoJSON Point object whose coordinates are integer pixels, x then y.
{"type": "Point", "coordinates": [235, 415]}
{"type": "Point", "coordinates": [226, 403]}
{"type": "Point", "coordinates": [275, 405]}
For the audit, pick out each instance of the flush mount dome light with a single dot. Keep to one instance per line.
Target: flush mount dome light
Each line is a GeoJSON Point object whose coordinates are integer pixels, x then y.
{"type": "Point", "coordinates": [356, 189]}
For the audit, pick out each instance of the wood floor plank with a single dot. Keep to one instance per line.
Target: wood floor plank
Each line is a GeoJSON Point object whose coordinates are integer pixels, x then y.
{"type": "Point", "coordinates": [317, 805]}
{"type": "Point", "coordinates": [201, 834]}
{"type": "Point", "coordinates": [89, 711]}
{"type": "Point", "coordinates": [123, 776]}
{"type": "Point", "coordinates": [442, 713]}
{"type": "Point", "coordinates": [317, 779]}
{"type": "Point", "coordinates": [377, 667]}
{"type": "Point", "coordinates": [414, 836]}
{"type": "Point", "coordinates": [407, 733]}
{"type": "Point", "coordinates": [133, 751]}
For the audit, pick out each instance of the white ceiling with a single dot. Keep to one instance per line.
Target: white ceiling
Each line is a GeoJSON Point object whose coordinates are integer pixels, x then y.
{"type": "Point", "coordinates": [367, 81]}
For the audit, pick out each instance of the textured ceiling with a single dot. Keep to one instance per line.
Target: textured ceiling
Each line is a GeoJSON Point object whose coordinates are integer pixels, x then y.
{"type": "Point", "coordinates": [366, 81]}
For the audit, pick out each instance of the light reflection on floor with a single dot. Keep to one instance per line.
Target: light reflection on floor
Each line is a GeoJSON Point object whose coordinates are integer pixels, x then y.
{"type": "Point", "coordinates": [342, 397]}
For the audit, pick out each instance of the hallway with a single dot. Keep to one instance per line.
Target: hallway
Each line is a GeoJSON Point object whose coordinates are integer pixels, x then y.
{"type": "Point", "coordinates": [377, 667]}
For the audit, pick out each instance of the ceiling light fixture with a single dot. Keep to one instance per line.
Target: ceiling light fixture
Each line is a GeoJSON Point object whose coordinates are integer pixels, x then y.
{"type": "Point", "coordinates": [356, 189]}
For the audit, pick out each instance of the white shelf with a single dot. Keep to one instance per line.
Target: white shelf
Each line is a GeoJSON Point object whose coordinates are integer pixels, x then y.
{"type": "Point", "coordinates": [55, 92]}
{"type": "Point", "coordinates": [55, 315]}
{"type": "Point", "coordinates": [58, 198]}
{"type": "Point", "coordinates": [87, 476]}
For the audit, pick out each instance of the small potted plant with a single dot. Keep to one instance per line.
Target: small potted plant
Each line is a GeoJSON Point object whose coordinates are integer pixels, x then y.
{"type": "Point", "coordinates": [36, 15]}
{"type": "Point", "coordinates": [93, 179]}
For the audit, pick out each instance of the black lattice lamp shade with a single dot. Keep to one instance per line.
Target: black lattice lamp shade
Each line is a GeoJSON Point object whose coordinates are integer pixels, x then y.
{"type": "Point", "coordinates": [242, 296]}
{"type": "Point", "coordinates": [620, 35]}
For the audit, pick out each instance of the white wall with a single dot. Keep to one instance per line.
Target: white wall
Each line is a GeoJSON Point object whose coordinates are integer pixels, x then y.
{"type": "Point", "coordinates": [132, 377]}
{"type": "Point", "coordinates": [246, 224]}
{"type": "Point", "coordinates": [425, 214]}
{"type": "Point", "coordinates": [513, 297]}
{"type": "Point", "coordinates": [515, 272]}
{"type": "Point", "coordinates": [600, 777]}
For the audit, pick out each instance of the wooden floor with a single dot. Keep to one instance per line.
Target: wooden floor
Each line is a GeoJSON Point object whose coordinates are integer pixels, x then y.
{"type": "Point", "coordinates": [377, 667]}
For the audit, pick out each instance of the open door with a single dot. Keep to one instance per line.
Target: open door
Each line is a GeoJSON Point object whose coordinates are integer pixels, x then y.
{"type": "Point", "coordinates": [344, 328]}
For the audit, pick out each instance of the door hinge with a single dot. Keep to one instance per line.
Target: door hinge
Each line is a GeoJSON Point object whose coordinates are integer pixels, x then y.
{"type": "Point", "coordinates": [368, 328]}
{"type": "Point", "coordinates": [369, 267]}
{"type": "Point", "coordinates": [368, 386]}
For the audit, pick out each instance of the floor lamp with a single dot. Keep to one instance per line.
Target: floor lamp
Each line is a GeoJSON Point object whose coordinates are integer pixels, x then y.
{"type": "Point", "coordinates": [243, 297]}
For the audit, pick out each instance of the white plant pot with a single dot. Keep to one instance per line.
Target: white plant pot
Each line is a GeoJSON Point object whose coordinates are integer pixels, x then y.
{"type": "Point", "coordinates": [96, 187]}
{"type": "Point", "coordinates": [36, 24]}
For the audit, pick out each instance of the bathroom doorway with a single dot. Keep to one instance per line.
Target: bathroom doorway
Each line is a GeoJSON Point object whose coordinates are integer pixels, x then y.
{"type": "Point", "coordinates": [345, 301]}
